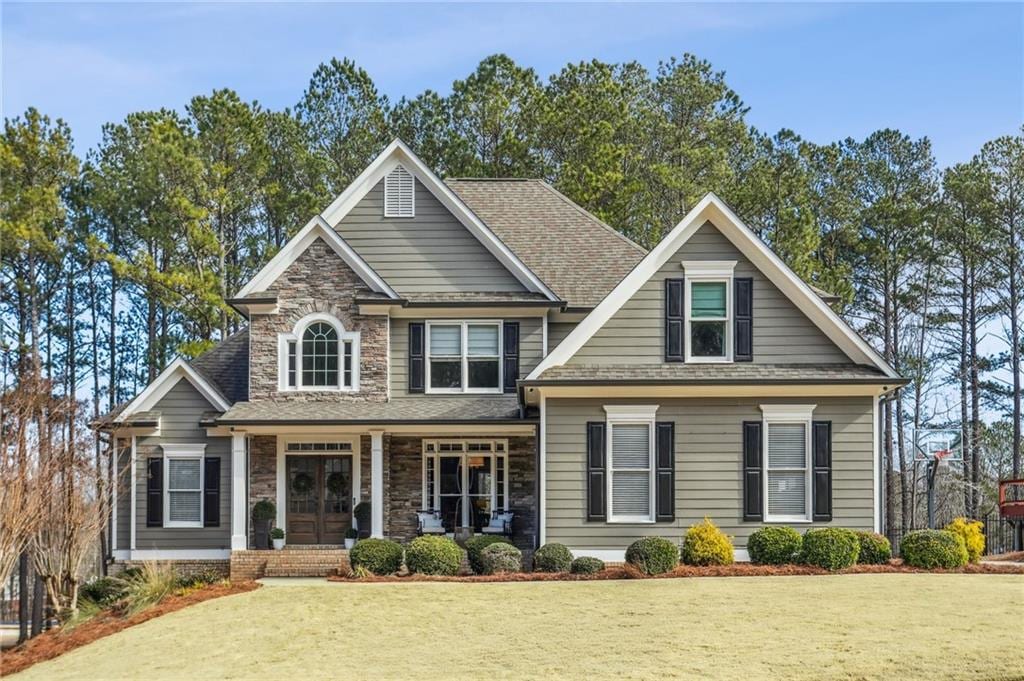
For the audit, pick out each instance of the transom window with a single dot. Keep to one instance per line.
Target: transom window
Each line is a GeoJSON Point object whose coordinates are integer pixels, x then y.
{"type": "Point", "coordinates": [183, 491]}
{"type": "Point", "coordinates": [787, 471]}
{"type": "Point", "coordinates": [319, 355]}
{"type": "Point", "coordinates": [631, 463]}
{"type": "Point", "coordinates": [708, 311]}
{"type": "Point", "coordinates": [464, 357]}
{"type": "Point", "coordinates": [465, 481]}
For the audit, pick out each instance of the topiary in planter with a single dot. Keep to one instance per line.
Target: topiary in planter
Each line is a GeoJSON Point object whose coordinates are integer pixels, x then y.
{"type": "Point", "coordinates": [431, 555]}
{"type": "Point", "coordinates": [363, 512]}
{"type": "Point", "coordinates": [653, 555]}
{"type": "Point", "coordinates": [501, 557]}
{"type": "Point", "coordinates": [774, 545]}
{"type": "Point", "coordinates": [705, 544]}
{"type": "Point", "coordinates": [934, 549]}
{"type": "Point", "coordinates": [586, 565]}
{"type": "Point", "coordinates": [832, 548]}
{"type": "Point", "coordinates": [263, 514]}
{"type": "Point", "coordinates": [379, 556]}
{"type": "Point", "coordinates": [973, 535]}
{"type": "Point", "coordinates": [552, 558]}
{"type": "Point", "coordinates": [874, 549]}
{"type": "Point", "coordinates": [476, 544]}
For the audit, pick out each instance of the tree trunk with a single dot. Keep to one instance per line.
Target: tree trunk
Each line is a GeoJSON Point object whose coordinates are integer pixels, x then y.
{"type": "Point", "coordinates": [24, 598]}
{"type": "Point", "coordinates": [965, 430]}
{"type": "Point", "coordinates": [975, 401]}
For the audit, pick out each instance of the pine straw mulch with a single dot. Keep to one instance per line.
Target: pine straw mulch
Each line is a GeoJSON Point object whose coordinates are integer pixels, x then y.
{"type": "Point", "coordinates": [56, 642]}
{"type": "Point", "coordinates": [735, 570]}
{"type": "Point", "coordinates": [1016, 556]}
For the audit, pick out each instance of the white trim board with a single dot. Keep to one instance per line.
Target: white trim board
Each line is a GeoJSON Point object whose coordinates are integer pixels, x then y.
{"type": "Point", "coordinates": [173, 554]}
{"type": "Point", "coordinates": [167, 379]}
{"type": "Point", "coordinates": [397, 153]}
{"type": "Point", "coordinates": [713, 209]}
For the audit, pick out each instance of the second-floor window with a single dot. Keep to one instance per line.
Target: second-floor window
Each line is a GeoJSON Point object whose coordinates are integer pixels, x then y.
{"type": "Point", "coordinates": [463, 357]}
{"type": "Point", "coordinates": [708, 311]}
{"type": "Point", "coordinates": [320, 355]}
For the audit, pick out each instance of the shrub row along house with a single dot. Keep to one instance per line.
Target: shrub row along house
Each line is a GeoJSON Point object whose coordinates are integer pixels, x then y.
{"type": "Point", "coordinates": [471, 353]}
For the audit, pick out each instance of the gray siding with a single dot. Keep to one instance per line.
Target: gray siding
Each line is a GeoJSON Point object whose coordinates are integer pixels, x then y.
{"type": "Point", "coordinates": [124, 494]}
{"type": "Point", "coordinates": [782, 333]}
{"type": "Point", "coordinates": [531, 343]}
{"type": "Point", "coordinates": [432, 252]}
{"type": "Point", "coordinates": [180, 411]}
{"type": "Point", "coordinates": [557, 331]}
{"type": "Point", "coordinates": [708, 467]}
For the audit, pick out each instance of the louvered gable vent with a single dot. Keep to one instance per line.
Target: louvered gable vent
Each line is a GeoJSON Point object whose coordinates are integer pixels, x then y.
{"type": "Point", "coordinates": [399, 194]}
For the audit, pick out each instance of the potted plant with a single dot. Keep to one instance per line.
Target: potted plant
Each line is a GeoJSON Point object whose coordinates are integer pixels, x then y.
{"type": "Point", "coordinates": [277, 536]}
{"type": "Point", "coordinates": [362, 514]}
{"type": "Point", "coordinates": [263, 514]}
{"type": "Point", "coordinates": [350, 537]}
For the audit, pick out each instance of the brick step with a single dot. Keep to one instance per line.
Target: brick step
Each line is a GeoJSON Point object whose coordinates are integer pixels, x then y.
{"type": "Point", "coordinates": [299, 571]}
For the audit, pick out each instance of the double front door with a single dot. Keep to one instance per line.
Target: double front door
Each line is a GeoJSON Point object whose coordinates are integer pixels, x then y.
{"type": "Point", "coordinates": [319, 499]}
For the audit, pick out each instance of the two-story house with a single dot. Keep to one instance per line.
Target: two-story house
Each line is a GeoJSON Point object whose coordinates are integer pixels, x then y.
{"type": "Point", "coordinates": [470, 346]}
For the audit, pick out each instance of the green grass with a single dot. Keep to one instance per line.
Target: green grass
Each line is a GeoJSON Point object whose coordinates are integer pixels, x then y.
{"type": "Point", "coordinates": [839, 627]}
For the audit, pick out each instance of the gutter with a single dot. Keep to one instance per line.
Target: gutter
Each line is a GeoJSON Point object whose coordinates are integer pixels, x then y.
{"type": "Point", "coordinates": [373, 422]}
{"type": "Point", "coordinates": [540, 382]}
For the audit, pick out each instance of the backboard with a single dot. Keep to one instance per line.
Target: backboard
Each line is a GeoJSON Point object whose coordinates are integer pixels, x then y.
{"type": "Point", "coordinates": [939, 445]}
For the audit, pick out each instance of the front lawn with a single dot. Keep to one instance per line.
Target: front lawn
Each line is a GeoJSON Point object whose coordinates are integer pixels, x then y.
{"type": "Point", "coordinates": [927, 626]}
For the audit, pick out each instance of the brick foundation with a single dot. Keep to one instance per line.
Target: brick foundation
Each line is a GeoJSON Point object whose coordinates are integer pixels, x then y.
{"type": "Point", "coordinates": [289, 562]}
{"type": "Point", "coordinates": [182, 567]}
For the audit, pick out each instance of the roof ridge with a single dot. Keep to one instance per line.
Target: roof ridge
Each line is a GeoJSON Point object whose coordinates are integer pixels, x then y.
{"type": "Point", "coordinates": [492, 179]}
{"type": "Point", "coordinates": [583, 211]}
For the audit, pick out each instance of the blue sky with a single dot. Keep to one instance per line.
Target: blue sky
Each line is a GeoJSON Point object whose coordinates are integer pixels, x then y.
{"type": "Point", "coordinates": [954, 72]}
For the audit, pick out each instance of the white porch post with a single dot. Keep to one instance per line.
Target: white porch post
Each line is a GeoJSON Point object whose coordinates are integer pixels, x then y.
{"type": "Point", "coordinates": [239, 500]}
{"type": "Point", "coordinates": [377, 483]}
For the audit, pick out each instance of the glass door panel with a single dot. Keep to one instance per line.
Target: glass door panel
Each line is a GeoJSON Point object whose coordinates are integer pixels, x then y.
{"type": "Point", "coordinates": [481, 481]}
{"type": "Point", "coordinates": [450, 491]}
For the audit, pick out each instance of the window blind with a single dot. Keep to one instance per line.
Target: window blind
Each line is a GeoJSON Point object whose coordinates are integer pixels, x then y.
{"type": "Point", "coordinates": [631, 449]}
{"type": "Point", "coordinates": [708, 299]}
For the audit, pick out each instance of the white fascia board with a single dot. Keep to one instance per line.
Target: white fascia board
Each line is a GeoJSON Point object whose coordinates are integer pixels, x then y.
{"type": "Point", "coordinates": [167, 379]}
{"type": "Point", "coordinates": [317, 228]}
{"type": "Point", "coordinates": [714, 209]}
{"type": "Point", "coordinates": [398, 153]}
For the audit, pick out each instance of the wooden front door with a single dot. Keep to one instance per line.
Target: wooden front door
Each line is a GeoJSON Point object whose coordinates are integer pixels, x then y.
{"type": "Point", "coordinates": [319, 499]}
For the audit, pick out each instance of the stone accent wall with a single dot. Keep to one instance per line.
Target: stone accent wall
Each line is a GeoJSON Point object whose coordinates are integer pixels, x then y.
{"type": "Point", "coordinates": [318, 281]}
{"type": "Point", "coordinates": [262, 474]}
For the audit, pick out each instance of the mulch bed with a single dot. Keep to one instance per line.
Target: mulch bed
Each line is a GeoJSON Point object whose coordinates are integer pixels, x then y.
{"type": "Point", "coordinates": [56, 642]}
{"type": "Point", "coordinates": [1016, 556]}
{"type": "Point", "coordinates": [735, 570]}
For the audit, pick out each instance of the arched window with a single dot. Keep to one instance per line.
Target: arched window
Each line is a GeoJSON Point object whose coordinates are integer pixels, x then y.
{"type": "Point", "coordinates": [319, 355]}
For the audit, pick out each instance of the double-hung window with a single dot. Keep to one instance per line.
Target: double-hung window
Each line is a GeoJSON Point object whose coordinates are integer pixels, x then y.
{"type": "Point", "coordinates": [464, 356]}
{"type": "Point", "coordinates": [183, 489]}
{"type": "Point", "coordinates": [631, 463]}
{"type": "Point", "coordinates": [709, 310]}
{"type": "Point", "coordinates": [787, 478]}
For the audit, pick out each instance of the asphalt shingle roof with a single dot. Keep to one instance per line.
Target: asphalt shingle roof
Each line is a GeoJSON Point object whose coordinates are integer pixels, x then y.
{"type": "Point", "coordinates": [713, 373]}
{"type": "Point", "coordinates": [435, 408]}
{"type": "Point", "coordinates": [227, 366]}
{"type": "Point", "coordinates": [579, 257]}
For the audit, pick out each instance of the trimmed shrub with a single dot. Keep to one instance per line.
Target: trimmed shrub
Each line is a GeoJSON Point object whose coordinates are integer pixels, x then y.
{"type": "Point", "coordinates": [653, 555]}
{"type": "Point", "coordinates": [264, 509]}
{"type": "Point", "coordinates": [432, 555]}
{"type": "Point", "coordinates": [832, 548]}
{"type": "Point", "coordinates": [378, 556]}
{"type": "Point", "coordinates": [104, 591]}
{"type": "Point", "coordinates": [934, 549]}
{"type": "Point", "coordinates": [586, 565]}
{"type": "Point", "coordinates": [705, 544]}
{"type": "Point", "coordinates": [501, 557]}
{"type": "Point", "coordinates": [475, 546]}
{"type": "Point", "coordinates": [552, 558]}
{"type": "Point", "coordinates": [774, 545]}
{"type": "Point", "coordinates": [200, 578]}
{"type": "Point", "coordinates": [874, 549]}
{"type": "Point", "coordinates": [973, 534]}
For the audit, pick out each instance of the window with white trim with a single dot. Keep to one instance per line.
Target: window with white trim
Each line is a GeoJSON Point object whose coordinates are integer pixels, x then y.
{"type": "Point", "coordinates": [399, 193]}
{"type": "Point", "coordinates": [709, 310]}
{"type": "Point", "coordinates": [787, 470]}
{"type": "Point", "coordinates": [631, 463]}
{"type": "Point", "coordinates": [319, 355]}
{"type": "Point", "coordinates": [183, 485]}
{"type": "Point", "coordinates": [465, 481]}
{"type": "Point", "coordinates": [464, 357]}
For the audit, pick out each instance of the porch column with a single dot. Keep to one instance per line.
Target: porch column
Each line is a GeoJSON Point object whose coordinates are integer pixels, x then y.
{"type": "Point", "coordinates": [377, 483]}
{"type": "Point", "coordinates": [239, 501]}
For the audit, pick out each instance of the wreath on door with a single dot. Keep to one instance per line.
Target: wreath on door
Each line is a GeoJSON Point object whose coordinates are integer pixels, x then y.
{"type": "Point", "coordinates": [302, 483]}
{"type": "Point", "coordinates": [336, 483]}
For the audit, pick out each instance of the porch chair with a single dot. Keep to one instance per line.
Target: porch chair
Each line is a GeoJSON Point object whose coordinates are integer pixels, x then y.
{"type": "Point", "coordinates": [429, 522]}
{"type": "Point", "coordinates": [501, 524]}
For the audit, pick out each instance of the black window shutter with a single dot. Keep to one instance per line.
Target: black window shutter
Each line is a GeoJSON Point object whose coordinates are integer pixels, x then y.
{"type": "Point", "coordinates": [665, 473]}
{"type": "Point", "coordinates": [155, 492]}
{"type": "Point", "coordinates": [596, 502]}
{"type": "Point", "coordinates": [752, 445]}
{"type": "Point", "coordinates": [510, 355]}
{"type": "Point", "coordinates": [675, 311]}
{"type": "Point", "coordinates": [211, 491]}
{"type": "Point", "coordinates": [743, 319]}
{"type": "Point", "coordinates": [417, 359]}
{"type": "Point", "coordinates": [821, 452]}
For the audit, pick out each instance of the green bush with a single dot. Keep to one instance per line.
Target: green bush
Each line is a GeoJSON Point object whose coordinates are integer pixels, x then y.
{"type": "Point", "coordinates": [705, 544]}
{"type": "Point", "coordinates": [475, 546]}
{"type": "Point", "coordinates": [934, 549]}
{"type": "Point", "coordinates": [432, 555]}
{"type": "Point", "coordinates": [653, 555]}
{"type": "Point", "coordinates": [774, 545]}
{"type": "Point", "coordinates": [104, 591]}
{"type": "Point", "coordinates": [264, 510]}
{"type": "Point", "coordinates": [378, 556]}
{"type": "Point", "coordinates": [552, 558]}
{"type": "Point", "coordinates": [199, 578]}
{"type": "Point", "coordinates": [973, 533]}
{"type": "Point", "coordinates": [150, 585]}
{"type": "Point", "coordinates": [501, 557]}
{"type": "Point", "coordinates": [585, 565]}
{"type": "Point", "coordinates": [874, 549]}
{"type": "Point", "coordinates": [277, 533]}
{"type": "Point", "coordinates": [832, 548]}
